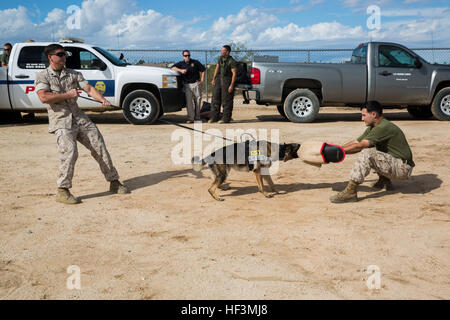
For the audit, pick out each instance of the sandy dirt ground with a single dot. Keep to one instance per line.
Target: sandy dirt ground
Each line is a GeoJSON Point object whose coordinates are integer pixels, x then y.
{"type": "Point", "coordinates": [169, 239]}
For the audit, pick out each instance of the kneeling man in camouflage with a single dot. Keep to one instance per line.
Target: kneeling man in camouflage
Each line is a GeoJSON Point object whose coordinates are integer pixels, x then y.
{"type": "Point", "coordinates": [391, 158]}
{"type": "Point", "coordinates": [57, 87]}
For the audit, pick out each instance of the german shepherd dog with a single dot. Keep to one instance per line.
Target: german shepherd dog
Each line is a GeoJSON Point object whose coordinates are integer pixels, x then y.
{"type": "Point", "coordinates": [245, 156]}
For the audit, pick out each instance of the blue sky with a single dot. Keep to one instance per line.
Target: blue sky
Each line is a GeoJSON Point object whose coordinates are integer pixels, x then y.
{"type": "Point", "coordinates": [262, 24]}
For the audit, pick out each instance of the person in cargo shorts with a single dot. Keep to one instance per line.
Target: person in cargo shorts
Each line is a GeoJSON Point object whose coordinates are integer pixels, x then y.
{"type": "Point", "coordinates": [57, 87]}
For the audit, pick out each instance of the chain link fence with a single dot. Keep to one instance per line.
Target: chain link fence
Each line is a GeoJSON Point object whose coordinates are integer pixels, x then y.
{"type": "Point", "coordinates": [166, 58]}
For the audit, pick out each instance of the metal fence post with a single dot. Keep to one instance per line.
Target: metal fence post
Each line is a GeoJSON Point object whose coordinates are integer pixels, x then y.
{"type": "Point", "coordinates": [206, 75]}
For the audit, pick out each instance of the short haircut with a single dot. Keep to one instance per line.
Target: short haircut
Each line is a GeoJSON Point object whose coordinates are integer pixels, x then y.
{"type": "Point", "coordinates": [227, 47]}
{"type": "Point", "coordinates": [186, 51]}
{"type": "Point", "coordinates": [373, 106]}
{"type": "Point", "coordinates": [8, 44]}
{"type": "Point", "coordinates": [51, 48]}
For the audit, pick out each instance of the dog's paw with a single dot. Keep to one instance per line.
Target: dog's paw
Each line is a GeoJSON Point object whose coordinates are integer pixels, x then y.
{"type": "Point", "coordinates": [268, 195]}
{"type": "Point", "coordinates": [224, 187]}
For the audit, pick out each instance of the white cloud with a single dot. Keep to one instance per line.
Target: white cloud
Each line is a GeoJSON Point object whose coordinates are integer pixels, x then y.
{"type": "Point", "coordinates": [292, 34]}
{"type": "Point", "coordinates": [15, 22]}
{"type": "Point", "coordinates": [248, 19]}
{"type": "Point", "coordinates": [420, 12]}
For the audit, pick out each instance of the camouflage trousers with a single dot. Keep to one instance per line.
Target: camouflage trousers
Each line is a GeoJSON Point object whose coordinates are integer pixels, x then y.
{"type": "Point", "coordinates": [193, 100]}
{"type": "Point", "coordinates": [88, 134]}
{"type": "Point", "coordinates": [383, 163]}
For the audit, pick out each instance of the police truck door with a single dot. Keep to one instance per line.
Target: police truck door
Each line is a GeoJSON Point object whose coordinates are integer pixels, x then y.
{"type": "Point", "coordinates": [21, 75]}
{"type": "Point", "coordinates": [99, 73]}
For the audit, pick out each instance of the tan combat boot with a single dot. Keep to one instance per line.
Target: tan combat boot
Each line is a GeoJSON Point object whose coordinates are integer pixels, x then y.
{"type": "Point", "coordinates": [116, 187]}
{"type": "Point", "coordinates": [348, 195]}
{"type": "Point", "coordinates": [383, 182]}
{"type": "Point", "coordinates": [64, 196]}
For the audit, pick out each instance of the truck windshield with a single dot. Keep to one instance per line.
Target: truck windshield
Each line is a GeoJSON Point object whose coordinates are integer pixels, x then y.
{"type": "Point", "coordinates": [359, 55]}
{"type": "Point", "coordinates": [114, 60]}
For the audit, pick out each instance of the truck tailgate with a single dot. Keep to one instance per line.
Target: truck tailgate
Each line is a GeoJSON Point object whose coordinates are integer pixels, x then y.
{"type": "Point", "coordinates": [4, 95]}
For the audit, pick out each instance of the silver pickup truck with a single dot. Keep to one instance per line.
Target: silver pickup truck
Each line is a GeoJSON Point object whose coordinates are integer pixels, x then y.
{"type": "Point", "coordinates": [387, 72]}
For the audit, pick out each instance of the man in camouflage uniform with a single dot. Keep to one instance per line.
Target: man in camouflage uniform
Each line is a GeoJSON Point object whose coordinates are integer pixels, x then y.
{"type": "Point", "coordinates": [57, 87]}
{"type": "Point", "coordinates": [391, 158]}
{"type": "Point", "coordinates": [223, 81]}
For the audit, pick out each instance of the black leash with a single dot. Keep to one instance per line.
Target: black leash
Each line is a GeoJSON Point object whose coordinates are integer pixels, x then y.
{"type": "Point", "coordinates": [115, 107]}
{"type": "Point", "coordinates": [168, 122]}
{"type": "Point", "coordinates": [179, 125]}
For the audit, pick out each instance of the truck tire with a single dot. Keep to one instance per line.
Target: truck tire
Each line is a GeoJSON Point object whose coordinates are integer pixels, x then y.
{"type": "Point", "coordinates": [141, 107]}
{"type": "Point", "coordinates": [301, 105]}
{"type": "Point", "coordinates": [280, 108]}
{"type": "Point", "coordinates": [420, 112]}
{"type": "Point", "coordinates": [441, 105]}
{"type": "Point", "coordinates": [161, 113]}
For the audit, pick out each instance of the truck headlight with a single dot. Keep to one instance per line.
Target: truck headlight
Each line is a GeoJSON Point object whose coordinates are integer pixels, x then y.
{"type": "Point", "coordinates": [169, 82]}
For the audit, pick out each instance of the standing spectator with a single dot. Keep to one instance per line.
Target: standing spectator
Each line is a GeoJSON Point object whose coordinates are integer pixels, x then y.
{"type": "Point", "coordinates": [192, 75]}
{"type": "Point", "coordinates": [5, 56]}
{"type": "Point", "coordinates": [223, 81]}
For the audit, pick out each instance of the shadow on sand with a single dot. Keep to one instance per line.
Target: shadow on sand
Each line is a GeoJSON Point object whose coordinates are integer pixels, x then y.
{"type": "Point", "coordinates": [419, 184]}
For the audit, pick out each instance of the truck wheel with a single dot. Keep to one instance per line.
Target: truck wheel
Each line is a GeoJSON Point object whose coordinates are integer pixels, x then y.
{"type": "Point", "coordinates": [301, 105]}
{"type": "Point", "coordinates": [420, 112]}
{"type": "Point", "coordinates": [141, 107]}
{"type": "Point", "coordinates": [280, 108]}
{"type": "Point", "coordinates": [161, 113]}
{"type": "Point", "coordinates": [441, 105]}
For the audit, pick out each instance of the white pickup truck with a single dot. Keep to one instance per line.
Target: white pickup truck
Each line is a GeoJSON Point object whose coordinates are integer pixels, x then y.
{"type": "Point", "coordinates": [144, 93]}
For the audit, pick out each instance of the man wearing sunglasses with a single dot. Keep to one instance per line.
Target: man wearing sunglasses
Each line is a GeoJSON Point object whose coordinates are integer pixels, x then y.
{"type": "Point", "coordinates": [58, 87]}
{"type": "Point", "coordinates": [192, 75]}
{"type": "Point", "coordinates": [7, 47]}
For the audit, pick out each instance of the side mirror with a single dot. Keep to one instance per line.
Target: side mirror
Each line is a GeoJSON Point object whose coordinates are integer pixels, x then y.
{"type": "Point", "coordinates": [418, 63]}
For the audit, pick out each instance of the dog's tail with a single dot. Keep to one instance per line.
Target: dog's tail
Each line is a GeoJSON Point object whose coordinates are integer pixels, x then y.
{"type": "Point", "coordinates": [197, 163]}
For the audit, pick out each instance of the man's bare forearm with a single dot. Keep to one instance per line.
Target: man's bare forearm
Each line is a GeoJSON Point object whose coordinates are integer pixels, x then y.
{"type": "Point", "coordinates": [233, 78]}
{"type": "Point", "coordinates": [216, 72]}
{"type": "Point", "coordinates": [47, 97]}
{"type": "Point", "coordinates": [177, 69]}
{"type": "Point", "coordinates": [356, 146]}
{"type": "Point", "coordinates": [90, 90]}
{"type": "Point", "coordinates": [350, 143]}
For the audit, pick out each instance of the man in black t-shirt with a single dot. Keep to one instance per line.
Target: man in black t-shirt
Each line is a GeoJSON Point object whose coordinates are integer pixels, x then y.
{"type": "Point", "coordinates": [192, 75]}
